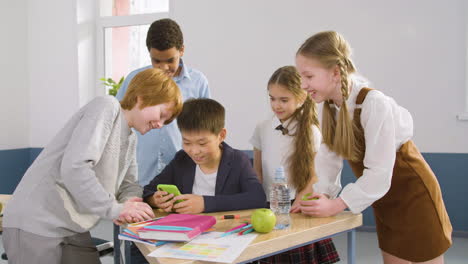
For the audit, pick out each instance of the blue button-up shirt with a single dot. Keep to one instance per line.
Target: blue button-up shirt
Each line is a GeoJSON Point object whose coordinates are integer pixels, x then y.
{"type": "Point", "coordinates": [156, 148]}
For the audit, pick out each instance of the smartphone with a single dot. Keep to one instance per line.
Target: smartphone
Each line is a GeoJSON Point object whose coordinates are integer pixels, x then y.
{"type": "Point", "coordinates": [170, 188]}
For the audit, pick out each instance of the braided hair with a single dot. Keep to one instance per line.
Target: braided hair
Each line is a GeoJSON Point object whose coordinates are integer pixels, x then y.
{"type": "Point", "coordinates": [341, 136]}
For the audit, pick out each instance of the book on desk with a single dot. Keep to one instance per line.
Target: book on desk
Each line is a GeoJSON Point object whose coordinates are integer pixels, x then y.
{"type": "Point", "coordinates": [177, 227]}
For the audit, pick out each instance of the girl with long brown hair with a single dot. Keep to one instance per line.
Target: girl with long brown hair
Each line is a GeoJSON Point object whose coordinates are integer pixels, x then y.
{"type": "Point", "coordinates": [372, 132]}
{"type": "Point", "coordinates": [290, 139]}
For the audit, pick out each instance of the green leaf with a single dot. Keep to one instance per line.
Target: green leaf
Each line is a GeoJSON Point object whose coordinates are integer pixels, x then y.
{"type": "Point", "coordinates": [112, 85]}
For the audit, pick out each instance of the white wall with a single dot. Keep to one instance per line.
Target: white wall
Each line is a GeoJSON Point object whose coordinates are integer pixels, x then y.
{"type": "Point", "coordinates": [53, 62]}
{"type": "Point", "coordinates": [413, 51]}
{"type": "Point", "coordinates": [38, 67]}
{"type": "Point", "coordinates": [86, 32]}
{"type": "Point", "coordinates": [14, 69]}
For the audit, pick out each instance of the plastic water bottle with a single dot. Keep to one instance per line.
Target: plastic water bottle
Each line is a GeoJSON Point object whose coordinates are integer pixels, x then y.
{"type": "Point", "coordinates": [280, 199]}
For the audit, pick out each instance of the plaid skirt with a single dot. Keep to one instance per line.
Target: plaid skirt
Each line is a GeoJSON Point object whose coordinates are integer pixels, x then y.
{"type": "Point", "coordinates": [321, 252]}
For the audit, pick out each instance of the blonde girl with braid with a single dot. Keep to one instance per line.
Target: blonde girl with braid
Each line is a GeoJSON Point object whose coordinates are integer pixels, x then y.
{"type": "Point", "coordinates": [290, 138]}
{"type": "Point", "coordinates": [373, 133]}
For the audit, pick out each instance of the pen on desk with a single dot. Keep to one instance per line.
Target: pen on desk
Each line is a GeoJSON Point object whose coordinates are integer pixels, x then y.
{"type": "Point", "coordinates": [145, 222]}
{"type": "Point", "coordinates": [245, 232]}
{"type": "Point", "coordinates": [237, 227]}
{"type": "Point", "coordinates": [243, 228]}
{"type": "Point", "coordinates": [230, 217]}
{"type": "Point", "coordinates": [236, 230]}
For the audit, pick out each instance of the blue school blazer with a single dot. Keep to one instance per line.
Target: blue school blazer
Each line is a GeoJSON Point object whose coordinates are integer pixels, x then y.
{"type": "Point", "coordinates": [237, 185]}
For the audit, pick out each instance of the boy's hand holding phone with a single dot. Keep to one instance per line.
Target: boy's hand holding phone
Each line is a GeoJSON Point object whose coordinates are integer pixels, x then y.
{"type": "Point", "coordinates": [163, 200]}
{"type": "Point", "coordinates": [192, 204]}
{"type": "Point", "coordinates": [169, 198]}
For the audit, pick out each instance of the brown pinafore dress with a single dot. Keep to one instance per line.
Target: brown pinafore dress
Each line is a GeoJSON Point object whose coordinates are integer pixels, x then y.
{"type": "Point", "coordinates": [411, 219]}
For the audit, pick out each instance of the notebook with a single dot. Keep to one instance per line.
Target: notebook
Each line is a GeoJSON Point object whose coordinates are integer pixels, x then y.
{"type": "Point", "coordinates": [130, 236]}
{"type": "Point", "coordinates": [130, 233]}
{"type": "Point", "coordinates": [177, 227]}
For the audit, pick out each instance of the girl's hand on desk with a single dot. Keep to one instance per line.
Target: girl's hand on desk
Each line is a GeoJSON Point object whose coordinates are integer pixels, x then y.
{"type": "Point", "coordinates": [296, 206]}
{"type": "Point", "coordinates": [135, 210]}
{"type": "Point", "coordinates": [323, 207]}
{"type": "Point", "coordinates": [307, 191]}
{"type": "Point", "coordinates": [193, 204]}
{"type": "Point", "coordinates": [163, 200]}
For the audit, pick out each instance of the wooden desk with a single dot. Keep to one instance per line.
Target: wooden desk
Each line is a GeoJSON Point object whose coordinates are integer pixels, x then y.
{"type": "Point", "coordinates": [304, 230]}
{"type": "Point", "coordinates": [3, 200]}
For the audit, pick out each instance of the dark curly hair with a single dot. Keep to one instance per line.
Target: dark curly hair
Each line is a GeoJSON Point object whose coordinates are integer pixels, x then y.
{"type": "Point", "coordinates": [164, 34]}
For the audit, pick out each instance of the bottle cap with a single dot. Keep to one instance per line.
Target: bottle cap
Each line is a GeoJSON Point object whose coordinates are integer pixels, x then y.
{"type": "Point", "coordinates": [279, 173]}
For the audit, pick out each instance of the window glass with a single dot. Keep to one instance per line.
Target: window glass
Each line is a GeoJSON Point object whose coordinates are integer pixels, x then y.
{"type": "Point", "coordinates": [125, 50]}
{"type": "Point", "coordinates": [132, 7]}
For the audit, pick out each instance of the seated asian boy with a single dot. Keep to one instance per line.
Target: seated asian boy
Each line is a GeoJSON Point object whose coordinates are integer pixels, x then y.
{"type": "Point", "coordinates": [210, 174]}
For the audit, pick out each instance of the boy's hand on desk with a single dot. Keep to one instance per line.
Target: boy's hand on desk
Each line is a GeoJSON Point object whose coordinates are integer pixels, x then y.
{"type": "Point", "coordinates": [322, 207]}
{"type": "Point", "coordinates": [163, 200]}
{"type": "Point", "coordinates": [117, 222]}
{"type": "Point", "coordinates": [134, 210]}
{"type": "Point", "coordinates": [193, 204]}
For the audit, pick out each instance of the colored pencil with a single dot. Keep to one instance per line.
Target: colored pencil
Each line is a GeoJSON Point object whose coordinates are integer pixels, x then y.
{"type": "Point", "coordinates": [245, 232]}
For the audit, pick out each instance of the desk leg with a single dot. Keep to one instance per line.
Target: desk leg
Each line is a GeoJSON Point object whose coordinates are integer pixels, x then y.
{"type": "Point", "coordinates": [128, 252]}
{"type": "Point", "coordinates": [116, 244]}
{"type": "Point", "coordinates": [352, 246]}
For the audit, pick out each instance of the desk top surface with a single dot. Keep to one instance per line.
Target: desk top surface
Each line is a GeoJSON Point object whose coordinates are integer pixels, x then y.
{"type": "Point", "coordinates": [3, 199]}
{"type": "Point", "coordinates": [303, 229]}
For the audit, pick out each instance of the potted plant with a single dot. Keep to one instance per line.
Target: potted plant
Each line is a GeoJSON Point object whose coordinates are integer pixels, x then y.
{"type": "Point", "coordinates": [112, 85]}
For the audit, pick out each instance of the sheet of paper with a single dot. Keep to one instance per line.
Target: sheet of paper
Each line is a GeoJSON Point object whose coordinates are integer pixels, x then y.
{"type": "Point", "coordinates": [207, 247]}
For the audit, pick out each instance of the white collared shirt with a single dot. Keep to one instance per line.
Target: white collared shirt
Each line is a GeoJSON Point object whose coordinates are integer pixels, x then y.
{"type": "Point", "coordinates": [276, 148]}
{"type": "Point", "coordinates": [204, 184]}
{"type": "Point", "coordinates": [386, 126]}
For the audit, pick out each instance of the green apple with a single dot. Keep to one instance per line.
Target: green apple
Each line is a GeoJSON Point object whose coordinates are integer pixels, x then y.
{"type": "Point", "coordinates": [263, 220]}
{"type": "Point", "coordinates": [306, 197]}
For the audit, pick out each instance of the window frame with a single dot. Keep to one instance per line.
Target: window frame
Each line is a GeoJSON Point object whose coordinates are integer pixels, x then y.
{"type": "Point", "coordinates": [463, 116]}
{"type": "Point", "coordinates": [104, 22]}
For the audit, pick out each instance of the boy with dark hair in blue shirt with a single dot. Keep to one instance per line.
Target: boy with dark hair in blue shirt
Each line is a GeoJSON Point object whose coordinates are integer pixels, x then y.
{"type": "Point", "coordinates": [165, 43]}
